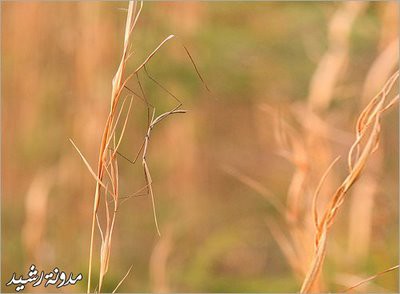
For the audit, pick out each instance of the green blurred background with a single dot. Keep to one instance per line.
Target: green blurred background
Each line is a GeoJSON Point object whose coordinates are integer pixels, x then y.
{"type": "Point", "coordinates": [58, 60]}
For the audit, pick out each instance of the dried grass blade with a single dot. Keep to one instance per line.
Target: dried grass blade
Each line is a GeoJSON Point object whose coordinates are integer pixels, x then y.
{"type": "Point", "coordinates": [320, 184]}
{"type": "Point", "coordinates": [123, 279]}
{"type": "Point", "coordinates": [154, 52]}
{"type": "Point", "coordinates": [316, 265]}
{"type": "Point", "coordinates": [88, 166]}
{"type": "Point", "coordinates": [371, 278]}
{"type": "Point", "coordinates": [256, 186]}
{"type": "Point", "coordinates": [123, 129]}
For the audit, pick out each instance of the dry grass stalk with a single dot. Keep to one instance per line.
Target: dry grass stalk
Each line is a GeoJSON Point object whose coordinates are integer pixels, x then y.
{"type": "Point", "coordinates": [107, 160]}
{"type": "Point", "coordinates": [334, 60]}
{"type": "Point", "coordinates": [360, 236]}
{"type": "Point", "coordinates": [107, 168]}
{"type": "Point", "coordinates": [346, 280]}
{"type": "Point", "coordinates": [122, 280]}
{"type": "Point", "coordinates": [322, 88]}
{"type": "Point", "coordinates": [370, 278]}
{"type": "Point", "coordinates": [366, 143]}
{"type": "Point", "coordinates": [321, 93]}
{"type": "Point", "coordinates": [299, 151]}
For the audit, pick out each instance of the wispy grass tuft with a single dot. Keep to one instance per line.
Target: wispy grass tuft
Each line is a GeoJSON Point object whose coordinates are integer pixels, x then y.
{"type": "Point", "coordinates": [368, 129]}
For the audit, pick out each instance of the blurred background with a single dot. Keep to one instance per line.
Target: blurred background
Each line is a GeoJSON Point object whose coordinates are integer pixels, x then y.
{"type": "Point", "coordinates": [288, 81]}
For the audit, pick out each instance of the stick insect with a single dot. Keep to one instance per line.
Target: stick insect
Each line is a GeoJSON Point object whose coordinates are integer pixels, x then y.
{"type": "Point", "coordinates": [152, 121]}
{"type": "Point", "coordinates": [107, 165]}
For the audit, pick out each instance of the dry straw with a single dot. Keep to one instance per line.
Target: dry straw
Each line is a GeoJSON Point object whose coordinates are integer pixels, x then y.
{"type": "Point", "coordinates": [107, 167]}
{"type": "Point", "coordinates": [368, 129]}
{"type": "Point", "coordinates": [294, 247]}
{"type": "Point", "coordinates": [107, 176]}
